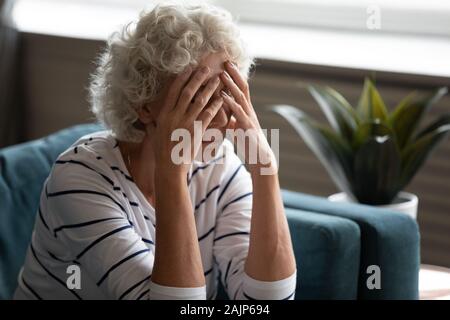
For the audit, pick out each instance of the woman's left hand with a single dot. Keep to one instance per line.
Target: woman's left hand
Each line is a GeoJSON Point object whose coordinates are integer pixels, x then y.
{"type": "Point", "coordinates": [244, 117]}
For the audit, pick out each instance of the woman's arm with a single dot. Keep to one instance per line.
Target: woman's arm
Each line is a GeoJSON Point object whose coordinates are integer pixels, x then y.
{"type": "Point", "coordinates": [270, 255]}
{"type": "Point", "coordinates": [177, 254]}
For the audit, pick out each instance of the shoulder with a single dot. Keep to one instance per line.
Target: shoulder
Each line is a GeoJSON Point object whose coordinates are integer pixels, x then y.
{"type": "Point", "coordinates": [85, 162]}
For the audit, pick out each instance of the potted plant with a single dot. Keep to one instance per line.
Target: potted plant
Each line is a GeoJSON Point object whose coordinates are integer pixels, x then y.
{"type": "Point", "coordinates": [371, 154]}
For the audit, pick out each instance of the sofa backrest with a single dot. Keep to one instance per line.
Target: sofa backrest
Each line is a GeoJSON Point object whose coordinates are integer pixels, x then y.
{"type": "Point", "coordinates": [23, 170]}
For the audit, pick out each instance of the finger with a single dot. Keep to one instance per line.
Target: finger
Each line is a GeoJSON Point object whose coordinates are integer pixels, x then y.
{"type": "Point", "coordinates": [237, 110]}
{"type": "Point", "coordinates": [191, 89]}
{"type": "Point", "coordinates": [237, 77]}
{"type": "Point", "coordinates": [236, 92]}
{"type": "Point", "coordinates": [175, 89]}
{"type": "Point", "coordinates": [202, 98]}
{"type": "Point", "coordinates": [208, 114]}
{"type": "Point", "coordinates": [231, 123]}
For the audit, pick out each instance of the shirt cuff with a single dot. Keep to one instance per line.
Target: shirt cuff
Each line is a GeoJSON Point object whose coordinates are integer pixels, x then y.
{"type": "Point", "coordinates": [159, 292]}
{"type": "Point", "coordinates": [283, 289]}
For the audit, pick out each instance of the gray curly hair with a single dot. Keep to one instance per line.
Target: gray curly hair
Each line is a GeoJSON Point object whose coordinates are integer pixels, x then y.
{"type": "Point", "coordinates": [138, 60]}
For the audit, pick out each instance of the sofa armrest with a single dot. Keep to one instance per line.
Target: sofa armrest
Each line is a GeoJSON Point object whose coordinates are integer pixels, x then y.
{"type": "Point", "coordinates": [327, 251]}
{"type": "Point", "coordinates": [389, 240]}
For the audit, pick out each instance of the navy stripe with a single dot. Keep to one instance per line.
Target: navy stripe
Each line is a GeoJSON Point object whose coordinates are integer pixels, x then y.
{"type": "Point", "coordinates": [147, 241]}
{"type": "Point", "coordinates": [207, 195]}
{"type": "Point", "coordinates": [99, 282]}
{"type": "Point", "coordinates": [226, 273]}
{"type": "Point", "coordinates": [61, 260]}
{"type": "Point", "coordinates": [42, 218]}
{"type": "Point", "coordinates": [208, 272]}
{"type": "Point", "coordinates": [102, 238]}
{"type": "Point", "coordinates": [133, 287]}
{"type": "Point", "coordinates": [206, 234]}
{"type": "Point", "coordinates": [251, 298]}
{"type": "Point", "coordinates": [143, 294]}
{"type": "Point", "coordinates": [109, 180]}
{"type": "Point", "coordinates": [228, 183]}
{"type": "Point", "coordinates": [86, 166]}
{"type": "Point", "coordinates": [237, 199]}
{"type": "Point", "coordinates": [123, 173]}
{"type": "Point", "coordinates": [248, 297]}
{"type": "Point", "coordinates": [204, 167]}
{"type": "Point", "coordinates": [76, 191]}
{"type": "Point", "coordinates": [31, 289]}
{"type": "Point", "coordinates": [231, 234]}
{"type": "Point", "coordinates": [289, 296]}
{"type": "Point", "coordinates": [52, 275]}
{"type": "Point", "coordinates": [83, 224]}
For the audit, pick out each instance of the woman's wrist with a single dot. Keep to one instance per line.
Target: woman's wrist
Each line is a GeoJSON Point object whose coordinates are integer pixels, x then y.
{"type": "Point", "coordinates": [170, 173]}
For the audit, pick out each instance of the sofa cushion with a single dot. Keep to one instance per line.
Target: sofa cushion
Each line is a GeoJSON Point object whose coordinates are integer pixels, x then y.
{"type": "Point", "coordinates": [327, 251]}
{"type": "Point", "coordinates": [23, 170]}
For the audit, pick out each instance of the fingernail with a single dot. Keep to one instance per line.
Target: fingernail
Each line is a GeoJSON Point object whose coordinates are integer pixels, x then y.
{"type": "Point", "coordinates": [232, 64]}
{"type": "Point", "coordinates": [223, 94]}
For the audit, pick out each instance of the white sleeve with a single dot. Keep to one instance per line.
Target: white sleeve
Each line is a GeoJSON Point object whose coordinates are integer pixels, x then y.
{"type": "Point", "coordinates": [91, 220]}
{"type": "Point", "coordinates": [158, 292]}
{"type": "Point", "coordinates": [232, 238]}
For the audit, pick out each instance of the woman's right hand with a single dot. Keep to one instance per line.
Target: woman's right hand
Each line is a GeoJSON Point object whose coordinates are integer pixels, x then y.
{"type": "Point", "coordinates": [180, 110]}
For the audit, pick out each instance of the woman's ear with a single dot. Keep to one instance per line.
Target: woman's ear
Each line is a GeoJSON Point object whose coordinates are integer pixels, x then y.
{"type": "Point", "coordinates": [145, 115]}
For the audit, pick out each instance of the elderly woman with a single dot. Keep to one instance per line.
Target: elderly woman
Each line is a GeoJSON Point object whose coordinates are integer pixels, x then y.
{"type": "Point", "coordinates": [120, 219]}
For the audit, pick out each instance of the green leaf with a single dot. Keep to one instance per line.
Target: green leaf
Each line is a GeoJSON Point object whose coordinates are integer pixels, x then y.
{"type": "Point", "coordinates": [441, 121]}
{"type": "Point", "coordinates": [368, 130]}
{"type": "Point", "coordinates": [371, 105]}
{"type": "Point", "coordinates": [340, 114]}
{"type": "Point", "coordinates": [377, 168]}
{"type": "Point", "coordinates": [333, 151]}
{"type": "Point", "coordinates": [415, 154]}
{"type": "Point", "coordinates": [407, 115]}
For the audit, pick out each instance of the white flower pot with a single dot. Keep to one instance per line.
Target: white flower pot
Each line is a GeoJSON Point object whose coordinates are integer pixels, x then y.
{"type": "Point", "coordinates": [405, 202]}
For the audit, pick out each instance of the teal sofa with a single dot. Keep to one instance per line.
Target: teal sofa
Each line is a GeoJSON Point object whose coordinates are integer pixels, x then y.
{"type": "Point", "coordinates": [334, 243]}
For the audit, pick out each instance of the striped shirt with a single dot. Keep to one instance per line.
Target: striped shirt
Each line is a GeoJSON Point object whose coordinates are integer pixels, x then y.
{"type": "Point", "coordinates": [94, 217]}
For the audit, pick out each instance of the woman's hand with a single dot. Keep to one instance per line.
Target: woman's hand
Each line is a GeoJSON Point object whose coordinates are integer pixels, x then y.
{"type": "Point", "coordinates": [185, 103]}
{"type": "Point", "coordinates": [245, 118]}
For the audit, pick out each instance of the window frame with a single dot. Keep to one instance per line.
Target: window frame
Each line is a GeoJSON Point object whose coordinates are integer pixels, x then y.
{"type": "Point", "coordinates": [344, 15]}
